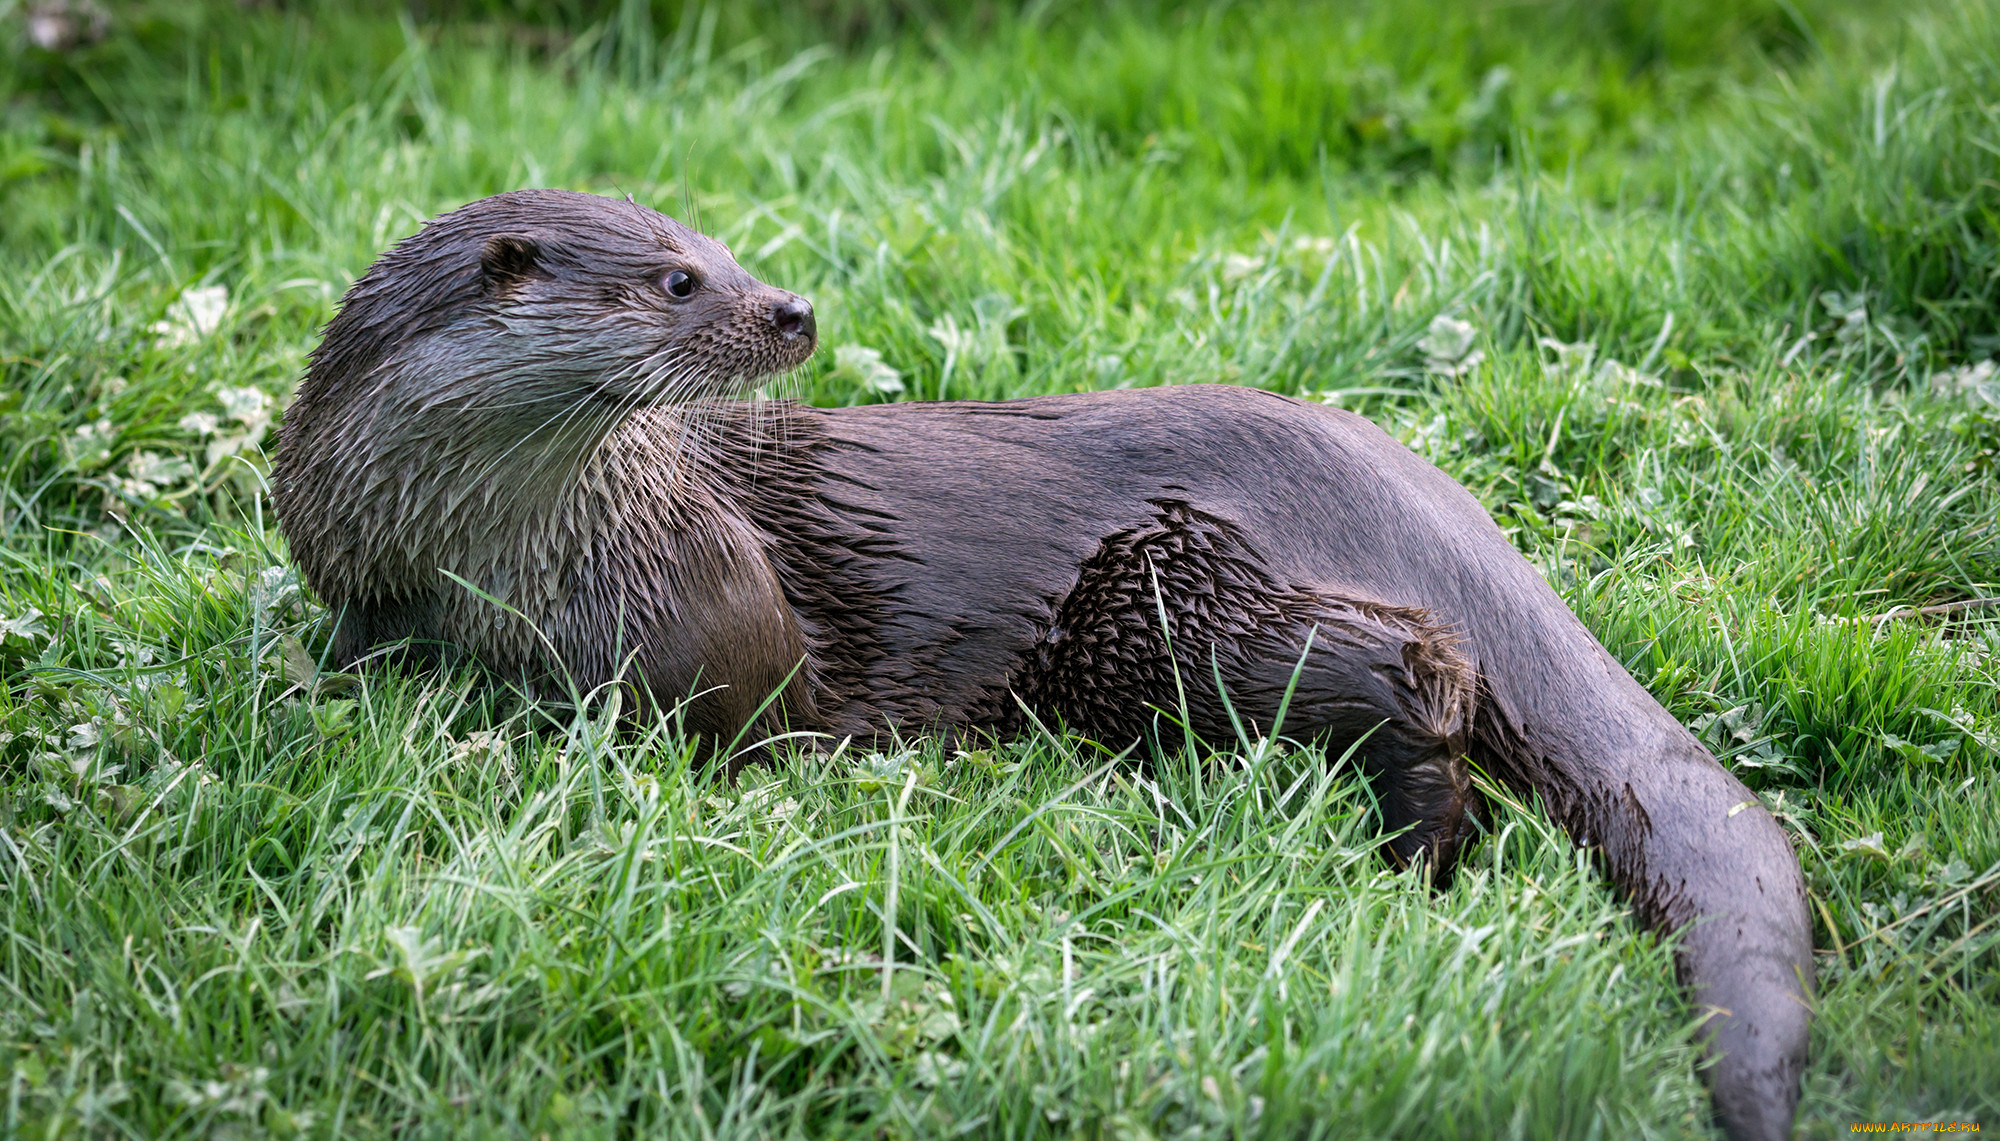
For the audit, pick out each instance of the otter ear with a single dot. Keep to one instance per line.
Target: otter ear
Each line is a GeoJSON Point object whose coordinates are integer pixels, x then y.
{"type": "Point", "coordinates": [509, 258]}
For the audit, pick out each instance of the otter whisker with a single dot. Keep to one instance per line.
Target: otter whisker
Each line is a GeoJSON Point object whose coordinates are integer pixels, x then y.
{"type": "Point", "coordinates": [656, 388]}
{"type": "Point", "coordinates": [556, 419]}
{"type": "Point", "coordinates": [606, 420]}
{"type": "Point", "coordinates": [768, 419]}
{"type": "Point", "coordinates": [653, 365]}
{"type": "Point", "coordinates": [563, 416]}
{"type": "Point", "coordinates": [697, 416]}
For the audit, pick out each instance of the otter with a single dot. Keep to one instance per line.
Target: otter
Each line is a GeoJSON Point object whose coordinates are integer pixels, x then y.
{"type": "Point", "coordinates": [533, 401]}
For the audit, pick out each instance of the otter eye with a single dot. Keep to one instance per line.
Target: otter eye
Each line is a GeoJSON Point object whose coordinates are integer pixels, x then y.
{"type": "Point", "coordinates": [680, 284]}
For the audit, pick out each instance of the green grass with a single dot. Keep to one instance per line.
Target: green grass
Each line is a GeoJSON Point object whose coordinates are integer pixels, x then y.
{"type": "Point", "coordinates": [1692, 296]}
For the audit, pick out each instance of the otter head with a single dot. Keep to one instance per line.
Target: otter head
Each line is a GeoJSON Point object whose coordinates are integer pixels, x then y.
{"type": "Point", "coordinates": [534, 301]}
{"type": "Point", "coordinates": [483, 359]}
{"type": "Point", "coordinates": [577, 296]}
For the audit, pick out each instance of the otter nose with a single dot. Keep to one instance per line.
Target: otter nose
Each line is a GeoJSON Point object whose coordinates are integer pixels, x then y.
{"type": "Point", "coordinates": [794, 317]}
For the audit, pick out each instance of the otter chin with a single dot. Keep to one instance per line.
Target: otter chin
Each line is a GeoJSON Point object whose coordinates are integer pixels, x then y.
{"type": "Point", "coordinates": [533, 397]}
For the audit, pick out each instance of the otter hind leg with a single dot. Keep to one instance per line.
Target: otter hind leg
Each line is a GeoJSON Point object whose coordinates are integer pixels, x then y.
{"type": "Point", "coordinates": [1390, 677]}
{"type": "Point", "coordinates": [1392, 683]}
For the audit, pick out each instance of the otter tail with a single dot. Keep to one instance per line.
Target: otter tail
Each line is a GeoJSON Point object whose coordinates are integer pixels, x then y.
{"type": "Point", "coordinates": [1695, 853]}
{"type": "Point", "coordinates": [1689, 846]}
{"type": "Point", "coordinates": [1555, 715]}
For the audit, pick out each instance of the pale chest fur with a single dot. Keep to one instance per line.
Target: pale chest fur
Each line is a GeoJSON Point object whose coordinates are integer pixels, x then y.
{"type": "Point", "coordinates": [634, 568]}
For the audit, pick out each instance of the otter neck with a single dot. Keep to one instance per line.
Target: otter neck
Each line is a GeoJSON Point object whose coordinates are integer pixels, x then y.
{"type": "Point", "coordinates": [502, 487]}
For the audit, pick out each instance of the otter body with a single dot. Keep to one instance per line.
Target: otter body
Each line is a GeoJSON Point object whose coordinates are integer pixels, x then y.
{"type": "Point", "coordinates": [956, 568]}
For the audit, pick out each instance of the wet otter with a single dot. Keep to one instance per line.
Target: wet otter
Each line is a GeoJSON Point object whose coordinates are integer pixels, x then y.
{"type": "Point", "coordinates": [511, 396]}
